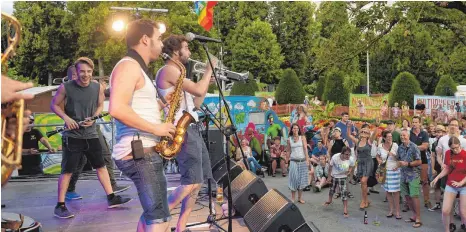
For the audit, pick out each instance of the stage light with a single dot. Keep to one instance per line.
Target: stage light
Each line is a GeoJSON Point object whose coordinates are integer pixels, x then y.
{"type": "Point", "coordinates": [118, 25]}
{"type": "Point", "coordinates": [162, 28]}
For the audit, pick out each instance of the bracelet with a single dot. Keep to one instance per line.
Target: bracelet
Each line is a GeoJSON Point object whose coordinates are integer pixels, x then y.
{"type": "Point", "coordinates": [409, 164]}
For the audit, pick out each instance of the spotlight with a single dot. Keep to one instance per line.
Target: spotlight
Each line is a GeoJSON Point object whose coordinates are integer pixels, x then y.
{"type": "Point", "coordinates": [162, 28]}
{"type": "Point", "coordinates": [118, 25]}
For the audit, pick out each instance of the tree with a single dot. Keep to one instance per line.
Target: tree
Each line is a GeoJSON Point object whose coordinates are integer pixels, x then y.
{"type": "Point", "coordinates": [294, 30]}
{"type": "Point", "coordinates": [247, 89]}
{"type": "Point", "coordinates": [256, 50]}
{"type": "Point", "coordinates": [321, 87]}
{"type": "Point", "coordinates": [446, 86]}
{"type": "Point", "coordinates": [47, 45]}
{"type": "Point", "coordinates": [289, 89]}
{"type": "Point", "coordinates": [335, 90]}
{"type": "Point", "coordinates": [404, 87]}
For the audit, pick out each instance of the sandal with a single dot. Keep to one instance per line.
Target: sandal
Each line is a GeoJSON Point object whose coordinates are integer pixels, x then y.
{"type": "Point", "coordinates": [398, 217]}
{"type": "Point", "coordinates": [390, 215]}
{"type": "Point", "coordinates": [301, 201]}
{"type": "Point", "coordinates": [410, 220]}
{"type": "Point", "coordinates": [417, 224]}
{"type": "Point", "coordinates": [350, 195]}
{"type": "Point", "coordinates": [345, 215]}
{"type": "Point", "coordinates": [337, 196]}
{"type": "Point", "coordinates": [327, 203]}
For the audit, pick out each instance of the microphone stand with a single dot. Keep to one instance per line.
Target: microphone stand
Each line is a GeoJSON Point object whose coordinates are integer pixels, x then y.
{"type": "Point", "coordinates": [228, 131]}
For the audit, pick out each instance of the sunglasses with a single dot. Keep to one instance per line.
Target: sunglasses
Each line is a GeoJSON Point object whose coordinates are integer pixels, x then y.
{"type": "Point", "coordinates": [364, 132]}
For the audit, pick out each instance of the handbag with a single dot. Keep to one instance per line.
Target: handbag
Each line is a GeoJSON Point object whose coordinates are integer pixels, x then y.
{"type": "Point", "coordinates": [381, 173]}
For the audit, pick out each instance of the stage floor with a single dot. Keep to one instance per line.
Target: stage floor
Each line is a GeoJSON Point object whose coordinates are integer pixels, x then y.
{"type": "Point", "coordinates": [36, 198]}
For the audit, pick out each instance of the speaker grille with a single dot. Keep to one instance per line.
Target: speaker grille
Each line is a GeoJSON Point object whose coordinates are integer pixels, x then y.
{"type": "Point", "coordinates": [258, 216]}
{"type": "Point", "coordinates": [240, 183]}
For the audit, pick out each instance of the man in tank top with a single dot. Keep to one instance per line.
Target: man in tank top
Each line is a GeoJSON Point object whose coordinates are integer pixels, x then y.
{"type": "Point", "coordinates": [134, 105]}
{"type": "Point", "coordinates": [82, 99]}
{"type": "Point", "coordinates": [193, 159]}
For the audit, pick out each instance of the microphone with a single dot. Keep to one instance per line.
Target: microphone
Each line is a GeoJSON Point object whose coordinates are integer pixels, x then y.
{"type": "Point", "coordinates": [190, 36]}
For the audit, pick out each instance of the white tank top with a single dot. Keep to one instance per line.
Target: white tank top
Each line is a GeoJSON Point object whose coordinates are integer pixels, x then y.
{"type": "Point", "coordinates": [189, 101]}
{"type": "Point", "coordinates": [144, 103]}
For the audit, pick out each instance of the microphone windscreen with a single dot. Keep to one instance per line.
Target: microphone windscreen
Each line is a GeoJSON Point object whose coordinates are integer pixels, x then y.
{"type": "Point", "coordinates": [190, 36]}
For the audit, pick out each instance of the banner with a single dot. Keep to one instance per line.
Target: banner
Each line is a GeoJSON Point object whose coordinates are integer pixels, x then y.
{"type": "Point", "coordinates": [372, 104]}
{"type": "Point", "coordinates": [432, 102]}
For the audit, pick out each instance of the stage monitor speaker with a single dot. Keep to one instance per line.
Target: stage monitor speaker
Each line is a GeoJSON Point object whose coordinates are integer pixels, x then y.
{"type": "Point", "coordinates": [246, 190]}
{"type": "Point", "coordinates": [216, 146]}
{"type": "Point", "coordinates": [274, 212]}
{"type": "Point", "coordinates": [219, 172]}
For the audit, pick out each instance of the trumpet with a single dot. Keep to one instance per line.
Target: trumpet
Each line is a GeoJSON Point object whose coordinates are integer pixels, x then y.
{"type": "Point", "coordinates": [221, 71]}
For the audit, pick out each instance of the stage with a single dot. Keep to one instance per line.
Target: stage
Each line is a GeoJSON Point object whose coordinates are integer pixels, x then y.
{"type": "Point", "coordinates": [36, 198]}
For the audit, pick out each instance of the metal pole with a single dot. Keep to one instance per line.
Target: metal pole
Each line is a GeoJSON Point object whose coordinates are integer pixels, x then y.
{"type": "Point", "coordinates": [139, 9]}
{"type": "Point", "coordinates": [368, 93]}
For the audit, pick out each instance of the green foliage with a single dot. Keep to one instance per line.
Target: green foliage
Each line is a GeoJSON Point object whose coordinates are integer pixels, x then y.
{"type": "Point", "coordinates": [335, 91]}
{"type": "Point", "coordinates": [318, 113]}
{"type": "Point", "coordinates": [446, 86]}
{"type": "Point", "coordinates": [256, 50]}
{"type": "Point", "coordinates": [321, 87]}
{"type": "Point", "coordinates": [295, 38]}
{"type": "Point", "coordinates": [310, 89]}
{"type": "Point", "coordinates": [212, 88]}
{"type": "Point", "coordinates": [246, 89]}
{"type": "Point", "coordinates": [261, 86]}
{"type": "Point", "coordinates": [290, 90]}
{"type": "Point", "coordinates": [404, 87]}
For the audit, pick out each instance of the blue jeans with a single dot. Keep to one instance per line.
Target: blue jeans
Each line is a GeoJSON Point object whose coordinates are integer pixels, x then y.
{"type": "Point", "coordinates": [149, 178]}
{"type": "Point", "coordinates": [254, 164]}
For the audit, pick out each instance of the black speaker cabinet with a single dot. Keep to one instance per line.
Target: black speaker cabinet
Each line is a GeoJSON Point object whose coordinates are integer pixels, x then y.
{"type": "Point", "coordinates": [219, 172]}
{"type": "Point", "coordinates": [275, 213]}
{"type": "Point", "coordinates": [246, 190]}
{"type": "Point", "coordinates": [216, 146]}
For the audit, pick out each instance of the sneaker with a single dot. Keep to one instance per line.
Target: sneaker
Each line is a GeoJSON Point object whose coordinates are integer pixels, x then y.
{"type": "Point", "coordinates": [62, 212]}
{"type": "Point", "coordinates": [73, 196]}
{"type": "Point", "coordinates": [117, 201]}
{"type": "Point", "coordinates": [119, 189]}
{"type": "Point", "coordinates": [436, 206]}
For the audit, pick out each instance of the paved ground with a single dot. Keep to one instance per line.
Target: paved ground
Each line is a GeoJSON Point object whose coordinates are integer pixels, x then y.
{"type": "Point", "coordinates": [331, 218]}
{"type": "Point", "coordinates": [36, 198]}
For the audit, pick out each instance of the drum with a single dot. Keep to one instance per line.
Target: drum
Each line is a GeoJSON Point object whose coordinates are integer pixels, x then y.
{"type": "Point", "coordinates": [13, 222]}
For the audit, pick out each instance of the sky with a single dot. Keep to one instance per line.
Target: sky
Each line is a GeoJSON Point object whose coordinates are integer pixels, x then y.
{"type": "Point", "coordinates": [7, 7]}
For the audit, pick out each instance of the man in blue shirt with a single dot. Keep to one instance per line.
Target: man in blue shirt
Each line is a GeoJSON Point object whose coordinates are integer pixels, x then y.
{"type": "Point", "coordinates": [342, 124]}
{"type": "Point", "coordinates": [318, 151]}
{"type": "Point", "coordinates": [409, 160]}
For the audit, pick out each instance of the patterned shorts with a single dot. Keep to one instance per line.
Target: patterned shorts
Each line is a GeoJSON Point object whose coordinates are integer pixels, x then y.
{"type": "Point", "coordinates": [341, 183]}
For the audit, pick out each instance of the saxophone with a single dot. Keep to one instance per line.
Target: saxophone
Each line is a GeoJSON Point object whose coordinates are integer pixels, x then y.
{"type": "Point", "coordinates": [166, 148]}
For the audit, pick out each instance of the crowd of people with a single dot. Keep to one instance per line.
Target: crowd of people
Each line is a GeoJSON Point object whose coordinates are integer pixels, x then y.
{"type": "Point", "coordinates": [408, 161]}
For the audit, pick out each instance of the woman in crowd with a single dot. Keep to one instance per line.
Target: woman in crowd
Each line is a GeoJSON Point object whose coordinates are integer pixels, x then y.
{"type": "Point", "coordinates": [396, 111]}
{"type": "Point", "coordinates": [455, 170]}
{"type": "Point", "coordinates": [364, 161]}
{"type": "Point", "coordinates": [254, 165]}
{"type": "Point", "coordinates": [405, 125]}
{"type": "Point", "coordinates": [387, 154]}
{"type": "Point", "coordinates": [436, 159]}
{"type": "Point", "coordinates": [299, 163]}
{"type": "Point", "coordinates": [384, 110]}
{"type": "Point", "coordinates": [404, 109]}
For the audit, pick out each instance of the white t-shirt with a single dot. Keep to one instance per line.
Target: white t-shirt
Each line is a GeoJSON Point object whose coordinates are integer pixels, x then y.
{"type": "Point", "coordinates": [443, 144]}
{"type": "Point", "coordinates": [391, 162]}
{"type": "Point", "coordinates": [339, 167]}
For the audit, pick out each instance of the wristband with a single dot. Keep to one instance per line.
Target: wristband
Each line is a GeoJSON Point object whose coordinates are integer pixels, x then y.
{"type": "Point", "coordinates": [409, 164]}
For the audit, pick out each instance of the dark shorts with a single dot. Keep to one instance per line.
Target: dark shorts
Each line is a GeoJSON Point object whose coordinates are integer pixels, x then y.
{"type": "Point", "coordinates": [193, 159]}
{"type": "Point", "coordinates": [74, 149]}
{"type": "Point", "coordinates": [424, 158]}
{"type": "Point", "coordinates": [148, 176]}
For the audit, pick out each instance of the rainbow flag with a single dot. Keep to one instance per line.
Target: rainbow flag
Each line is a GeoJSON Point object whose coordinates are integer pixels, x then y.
{"type": "Point", "coordinates": [205, 13]}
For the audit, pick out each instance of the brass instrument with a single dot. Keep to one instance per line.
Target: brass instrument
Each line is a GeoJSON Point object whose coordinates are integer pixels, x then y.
{"type": "Point", "coordinates": [166, 148]}
{"type": "Point", "coordinates": [11, 145]}
{"type": "Point", "coordinates": [222, 72]}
